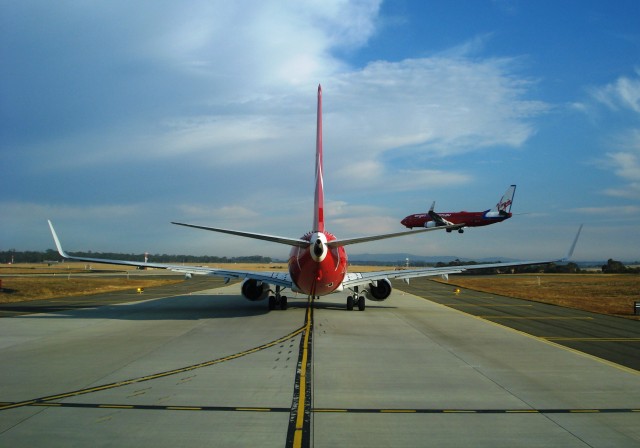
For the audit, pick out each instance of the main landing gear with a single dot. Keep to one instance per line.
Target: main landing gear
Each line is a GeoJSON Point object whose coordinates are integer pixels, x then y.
{"type": "Point", "coordinates": [278, 301]}
{"type": "Point", "coordinates": [355, 300]}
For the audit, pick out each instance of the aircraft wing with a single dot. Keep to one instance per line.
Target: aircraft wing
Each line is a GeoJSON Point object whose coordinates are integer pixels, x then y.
{"type": "Point", "coordinates": [274, 278]}
{"type": "Point", "coordinates": [305, 243]}
{"type": "Point", "coordinates": [258, 236]}
{"type": "Point", "coordinates": [363, 278]}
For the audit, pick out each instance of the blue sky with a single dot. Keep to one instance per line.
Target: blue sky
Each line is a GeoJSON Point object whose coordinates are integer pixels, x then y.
{"type": "Point", "coordinates": [118, 118]}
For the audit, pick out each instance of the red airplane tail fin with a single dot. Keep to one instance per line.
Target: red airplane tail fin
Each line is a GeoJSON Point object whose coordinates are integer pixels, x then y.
{"type": "Point", "coordinates": [318, 217]}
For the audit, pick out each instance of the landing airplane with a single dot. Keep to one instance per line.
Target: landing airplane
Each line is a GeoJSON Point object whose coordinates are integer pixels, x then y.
{"type": "Point", "coordinates": [459, 220]}
{"type": "Point", "coordinates": [317, 261]}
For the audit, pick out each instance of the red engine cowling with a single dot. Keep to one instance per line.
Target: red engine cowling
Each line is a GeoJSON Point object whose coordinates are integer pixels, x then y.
{"type": "Point", "coordinates": [379, 292]}
{"type": "Point", "coordinates": [254, 290]}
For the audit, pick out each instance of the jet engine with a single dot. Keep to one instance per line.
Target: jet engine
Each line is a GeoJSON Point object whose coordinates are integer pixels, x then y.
{"type": "Point", "coordinates": [379, 291]}
{"type": "Point", "coordinates": [254, 290]}
{"type": "Point", "coordinates": [430, 224]}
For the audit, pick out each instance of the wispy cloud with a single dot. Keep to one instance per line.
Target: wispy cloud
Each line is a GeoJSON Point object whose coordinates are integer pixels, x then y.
{"type": "Point", "coordinates": [624, 93]}
{"type": "Point", "coordinates": [623, 97]}
{"type": "Point", "coordinates": [628, 210]}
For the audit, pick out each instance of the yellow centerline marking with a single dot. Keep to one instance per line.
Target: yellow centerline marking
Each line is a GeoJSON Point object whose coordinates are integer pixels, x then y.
{"type": "Point", "coordinates": [297, 437]}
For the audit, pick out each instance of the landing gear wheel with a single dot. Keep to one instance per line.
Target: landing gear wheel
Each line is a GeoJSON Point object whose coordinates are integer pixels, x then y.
{"type": "Point", "coordinates": [283, 302]}
{"type": "Point", "coordinates": [460, 230]}
{"type": "Point", "coordinates": [272, 303]}
{"type": "Point", "coordinates": [361, 304]}
{"type": "Point", "coordinates": [350, 303]}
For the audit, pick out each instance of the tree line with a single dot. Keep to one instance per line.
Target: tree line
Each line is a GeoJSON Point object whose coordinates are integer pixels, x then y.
{"type": "Point", "coordinates": [48, 256]}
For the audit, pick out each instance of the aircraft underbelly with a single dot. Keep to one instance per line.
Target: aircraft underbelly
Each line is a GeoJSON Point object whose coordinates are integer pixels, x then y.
{"type": "Point", "coordinates": [316, 278]}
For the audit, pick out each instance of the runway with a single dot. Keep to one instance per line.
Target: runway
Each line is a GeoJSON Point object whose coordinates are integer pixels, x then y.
{"type": "Point", "coordinates": [209, 368]}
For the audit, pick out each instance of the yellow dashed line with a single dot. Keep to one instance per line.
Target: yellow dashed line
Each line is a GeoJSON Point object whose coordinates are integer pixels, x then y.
{"type": "Point", "coordinates": [183, 408]}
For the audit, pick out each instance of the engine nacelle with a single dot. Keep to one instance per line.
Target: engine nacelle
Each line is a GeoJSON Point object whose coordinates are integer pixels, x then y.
{"type": "Point", "coordinates": [379, 291]}
{"type": "Point", "coordinates": [254, 290]}
{"type": "Point", "coordinates": [430, 224]}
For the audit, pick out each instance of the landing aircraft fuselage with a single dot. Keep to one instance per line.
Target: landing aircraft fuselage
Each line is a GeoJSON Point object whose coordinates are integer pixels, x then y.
{"type": "Point", "coordinates": [470, 219]}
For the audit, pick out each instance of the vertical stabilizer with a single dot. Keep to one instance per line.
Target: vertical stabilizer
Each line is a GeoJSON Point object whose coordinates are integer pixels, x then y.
{"type": "Point", "coordinates": [504, 206]}
{"type": "Point", "coordinates": [318, 217]}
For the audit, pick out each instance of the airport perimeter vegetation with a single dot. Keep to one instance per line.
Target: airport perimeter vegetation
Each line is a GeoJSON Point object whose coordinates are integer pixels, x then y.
{"type": "Point", "coordinates": [610, 289]}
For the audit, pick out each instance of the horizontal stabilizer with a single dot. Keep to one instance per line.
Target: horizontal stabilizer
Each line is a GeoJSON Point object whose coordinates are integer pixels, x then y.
{"type": "Point", "coordinates": [297, 242]}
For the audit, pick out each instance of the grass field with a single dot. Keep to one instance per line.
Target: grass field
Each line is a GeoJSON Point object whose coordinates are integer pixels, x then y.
{"type": "Point", "coordinates": [41, 281]}
{"type": "Point", "coordinates": [601, 293]}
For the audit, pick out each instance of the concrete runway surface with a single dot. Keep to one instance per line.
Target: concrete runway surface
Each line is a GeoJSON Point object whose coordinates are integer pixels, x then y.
{"type": "Point", "coordinates": [209, 368]}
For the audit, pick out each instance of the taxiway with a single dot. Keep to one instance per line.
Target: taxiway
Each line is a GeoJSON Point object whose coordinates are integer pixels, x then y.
{"type": "Point", "coordinates": [209, 368]}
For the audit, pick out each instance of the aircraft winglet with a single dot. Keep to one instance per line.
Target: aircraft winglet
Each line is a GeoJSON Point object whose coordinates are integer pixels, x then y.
{"type": "Point", "coordinates": [62, 253]}
{"type": "Point", "coordinates": [573, 245]}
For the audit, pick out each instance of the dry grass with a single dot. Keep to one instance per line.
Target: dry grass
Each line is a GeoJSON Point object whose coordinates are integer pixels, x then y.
{"type": "Point", "coordinates": [57, 280]}
{"type": "Point", "coordinates": [600, 293]}
{"type": "Point", "coordinates": [31, 288]}
{"type": "Point", "coordinates": [62, 280]}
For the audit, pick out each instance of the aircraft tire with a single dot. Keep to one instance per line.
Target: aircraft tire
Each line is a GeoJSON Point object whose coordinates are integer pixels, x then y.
{"type": "Point", "coordinates": [283, 303]}
{"type": "Point", "coordinates": [272, 303]}
{"type": "Point", "coordinates": [350, 303]}
{"type": "Point", "coordinates": [361, 304]}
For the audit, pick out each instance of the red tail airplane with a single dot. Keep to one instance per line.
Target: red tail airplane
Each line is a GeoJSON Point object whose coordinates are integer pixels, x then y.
{"type": "Point", "coordinates": [458, 220]}
{"type": "Point", "coordinates": [317, 261]}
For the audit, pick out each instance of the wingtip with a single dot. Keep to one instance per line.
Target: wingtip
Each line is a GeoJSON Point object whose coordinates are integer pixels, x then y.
{"type": "Point", "coordinates": [56, 240]}
{"type": "Point", "coordinates": [573, 245]}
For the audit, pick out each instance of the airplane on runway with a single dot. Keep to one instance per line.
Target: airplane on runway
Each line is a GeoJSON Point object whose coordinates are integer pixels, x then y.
{"type": "Point", "coordinates": [459, 220]}
{"type": "Point", "coordinates": [317, 260]}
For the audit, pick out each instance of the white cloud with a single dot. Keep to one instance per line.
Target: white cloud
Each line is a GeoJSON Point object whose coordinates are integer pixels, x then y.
{"type": "Point", "coordinates": [623, 93]}
{"type": "Point", "coordinates": [610, 210]}
{"type": "Point", "coordinates": [623, 96]}
{"type": "Point", "coordinates": [214, 103]}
